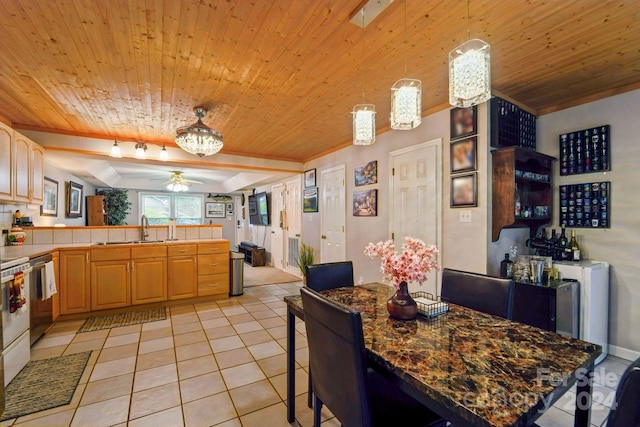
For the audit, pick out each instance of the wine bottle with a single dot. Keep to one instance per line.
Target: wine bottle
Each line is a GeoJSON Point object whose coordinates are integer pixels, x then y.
{"type": "Point", "coordinates": [518, 207]}
{"type": "Point", "coordinates": [506, 267]}
{"type": "Point", "coordinates": [563, 243]}
{"type": "Point", "coordinates": [575, 248]}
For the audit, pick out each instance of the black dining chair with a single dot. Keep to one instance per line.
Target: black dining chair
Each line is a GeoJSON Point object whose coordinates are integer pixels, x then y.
{"type": "Point", "coordinates": [625, 410]}
{"type": "Point", "coordinates": [491, 295]}
{"type": "Point", "coordinates": [356, 396]}
{"type": "Point", "coordinates": [321, 277]}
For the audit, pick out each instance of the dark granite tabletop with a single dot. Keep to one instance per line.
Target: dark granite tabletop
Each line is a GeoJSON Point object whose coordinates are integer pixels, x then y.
{"type": "Point", "coordinates": [488, 370]}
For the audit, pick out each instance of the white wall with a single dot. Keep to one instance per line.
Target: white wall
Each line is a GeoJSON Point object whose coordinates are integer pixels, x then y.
{"type": "Point", "coordinates": [619, 245]}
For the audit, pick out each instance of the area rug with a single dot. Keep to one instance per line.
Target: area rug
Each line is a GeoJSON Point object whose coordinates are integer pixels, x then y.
{"type": "Point", "coordinates": [256, 276]}
{"type": "Point", "coordinates": [44, 384]}
{"type": "Point", "coordinates": [123, 319]}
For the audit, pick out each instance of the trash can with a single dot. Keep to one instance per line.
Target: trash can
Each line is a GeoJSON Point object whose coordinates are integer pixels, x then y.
{"type": "Point", "coordinates": [236, 273]}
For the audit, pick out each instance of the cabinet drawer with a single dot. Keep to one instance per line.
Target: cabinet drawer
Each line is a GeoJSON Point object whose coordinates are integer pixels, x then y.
{"type": "Point", "coordinates": [213, 264]}
{"type": "Point", "coordinates": [110, 254]}
{"type": "Point", "coordinates": [213, 248]}
{"type": "Point", "coordinates": [146, 251]}
{"type": "Point", "coordinates": [182, 250]}
{"type": "Point", "coordinates": [213, 284]}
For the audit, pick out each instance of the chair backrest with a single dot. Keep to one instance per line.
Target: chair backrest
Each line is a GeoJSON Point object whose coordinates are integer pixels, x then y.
{"type": "Point", "coordinates": [490, 295]}
{"type": "Point", "coordinates": [625, 411]}
{"type": "Point", "coordinates": [321, 277]}
{"type": "Point", "coordinates": [337, 358]}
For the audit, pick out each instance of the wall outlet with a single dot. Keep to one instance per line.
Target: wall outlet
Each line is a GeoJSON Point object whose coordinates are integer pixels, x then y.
{"type": "Point", "coordinates": [465, 216]}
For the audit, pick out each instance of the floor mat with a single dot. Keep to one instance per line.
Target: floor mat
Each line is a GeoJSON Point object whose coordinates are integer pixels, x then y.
{"type": "Point", "coordinates": [123, 319]}
{"type": "Point", "coordinates": [44, 384]}
{"type": "Point", "coordinates": [255, 276]}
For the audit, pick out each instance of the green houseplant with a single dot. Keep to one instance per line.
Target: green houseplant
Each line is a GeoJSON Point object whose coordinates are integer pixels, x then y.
{"type": "Point", "coordinates": [118, 204]}
{"type": "Point", "coordinates": [305, 257]}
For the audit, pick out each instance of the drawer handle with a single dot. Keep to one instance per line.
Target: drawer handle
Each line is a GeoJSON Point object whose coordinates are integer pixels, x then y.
{"type": "Point", "coordinates": [182, 250]}
{"type": "Point", "coordinates": [213, 284]}
{"type": "Point", "coordinates": [214, 264]}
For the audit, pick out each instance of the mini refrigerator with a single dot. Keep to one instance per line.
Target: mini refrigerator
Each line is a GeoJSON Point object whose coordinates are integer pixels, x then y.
{"type": "Point", "coordinates": [594, 299]}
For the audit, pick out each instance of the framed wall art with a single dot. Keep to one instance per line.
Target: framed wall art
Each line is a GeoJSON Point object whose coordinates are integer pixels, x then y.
{"type": "Point", "coordinates": [367, 174]}
{"type": "Point", "coordinates": [365, 203]}
{"type": "Point", "coordinates": [50, 198]}
{"type": "Point", "coordinates": [310, 200]}
{"type": "Point", "coordinates": [464, 156]}
{"type": "Point", "coordinates": [464, 122]}
{"type": "Point", "coordinates": [215, 210]}
{"type": "Point", "coordinates": [464, 191]}
{"type": "Point", "coordinates": [310, 178]}
{"type": "Point", "coordinates": [74, 200]}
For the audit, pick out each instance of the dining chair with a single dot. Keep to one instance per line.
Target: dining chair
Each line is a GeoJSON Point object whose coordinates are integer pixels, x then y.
{"type": "Point", "coordinates": [491, 295]}
{"type": "Point", "coordinates": [321, 277]}
{"type": "Point", "coordinates": [356, 396]}
{"type": "Point", "coordinates": [625, 411]}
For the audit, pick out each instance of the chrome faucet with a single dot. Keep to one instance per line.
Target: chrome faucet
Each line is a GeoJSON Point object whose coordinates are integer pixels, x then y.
{"type": "Point", "coordinates": [144, 228]}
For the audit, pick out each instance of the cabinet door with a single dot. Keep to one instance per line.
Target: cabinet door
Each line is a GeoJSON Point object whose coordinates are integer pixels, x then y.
{"type": "Point", "coordinates": [149, 282]}
{"type": "Point", "coordinates": [37, 173]}
{"type": "Point", "coordinates": [182, 277]}
{"type": "Point", "coordinates": [110, 284]}
{"type": "Point", "coordinates": [73, 288]}
{"type": "Point", "coordinates": [6, 163]}
{"type": "Point", "coordinates": [22, 173]}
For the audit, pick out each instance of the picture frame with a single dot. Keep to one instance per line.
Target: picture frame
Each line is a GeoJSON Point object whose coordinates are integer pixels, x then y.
{"type": "Point", "coordinates": [464, 122]}
{"type": "Point", "coordinates": [310, 178]}
{"type": "Point", "coordinates": [310, 200]}
{"type": "Point", "coordinates": [215, 210]}
{"type": "Point", "coordinates": [74, 200]}
{"type": "Point", "coordinates": [366, 174]}
{"type": "Point", "coordinates": [49, 205]}
{"type": "Point", "coordinates": [464, 190]}
{"type": "Point", "coordinates": [365, 203]}
{"type": "Point", "coordinates": [464, 155]}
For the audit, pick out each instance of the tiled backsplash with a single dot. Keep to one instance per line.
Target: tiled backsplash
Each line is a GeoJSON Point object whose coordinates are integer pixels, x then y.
{"type": "Point", "coordinates": [61, 235]}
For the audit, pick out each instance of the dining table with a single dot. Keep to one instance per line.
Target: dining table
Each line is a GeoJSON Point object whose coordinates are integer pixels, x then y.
{"type": "Point", "coordinates": [472, 368]}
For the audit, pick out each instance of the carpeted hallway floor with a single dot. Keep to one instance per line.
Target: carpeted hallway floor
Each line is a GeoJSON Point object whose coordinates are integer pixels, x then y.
{"type": "Point", "coordinates": [254, 276]}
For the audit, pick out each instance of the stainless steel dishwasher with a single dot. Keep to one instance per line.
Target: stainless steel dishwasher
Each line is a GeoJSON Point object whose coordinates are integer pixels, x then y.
{"type": "Point", "coordinates": [41, 311]}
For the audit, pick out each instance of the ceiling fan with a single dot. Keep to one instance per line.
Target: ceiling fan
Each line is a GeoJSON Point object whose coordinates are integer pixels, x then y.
{"type": "Point", "coordinates": [177, 182]}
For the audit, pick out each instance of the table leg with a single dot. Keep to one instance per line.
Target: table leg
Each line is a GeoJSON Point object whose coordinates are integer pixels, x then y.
{"type": "Point", "coordinates": [583, 398]}
{"type": "Point", "coordinates": [291, 369]}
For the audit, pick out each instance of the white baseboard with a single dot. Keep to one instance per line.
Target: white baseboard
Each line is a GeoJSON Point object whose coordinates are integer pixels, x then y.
{"type": "Point", "coordinates": [623, 353]}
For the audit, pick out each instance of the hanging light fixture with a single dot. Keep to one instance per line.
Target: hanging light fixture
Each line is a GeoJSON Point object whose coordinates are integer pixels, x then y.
{"type": "Point", "coordinates": [364, 115]}
{"type": "Point", "coordinates": [115, 150]}
{"type": "Point", "coordinates": [164, 155]}
{"type": "Point", "coordinates": [141, 149]}
{"type": "Point", "coordinates": [470, 72]}
{"type": "Point", "coordinates": [198, 138]}
{"type": "Point", "coordinates": [177, 183]}
{"type": "Point", "coordinates": [406, 95]}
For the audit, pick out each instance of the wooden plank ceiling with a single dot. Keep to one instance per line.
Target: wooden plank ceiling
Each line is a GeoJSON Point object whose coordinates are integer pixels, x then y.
{"type": "Point", "coordinates": [281, 76]}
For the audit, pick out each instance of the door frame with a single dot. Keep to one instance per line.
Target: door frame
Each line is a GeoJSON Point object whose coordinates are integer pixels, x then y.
{"type": "Point", "coordinates": [343, 168]}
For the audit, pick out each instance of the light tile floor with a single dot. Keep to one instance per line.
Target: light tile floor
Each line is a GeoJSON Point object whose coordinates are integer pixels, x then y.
{"type": "Point", "coordinates": [221, 363]}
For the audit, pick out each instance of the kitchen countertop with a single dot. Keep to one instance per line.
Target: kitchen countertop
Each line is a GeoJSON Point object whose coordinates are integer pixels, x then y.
{"type": "Point", "coordinates": [32, 251]}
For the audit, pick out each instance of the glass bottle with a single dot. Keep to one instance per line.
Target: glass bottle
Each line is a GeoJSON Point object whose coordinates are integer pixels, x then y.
{"type": "Point", "coordinates": [518, 205]}
{"type": "Point", "coordinates": [506, 267]}
{"type": "Point", "coordinates": [575, 248]}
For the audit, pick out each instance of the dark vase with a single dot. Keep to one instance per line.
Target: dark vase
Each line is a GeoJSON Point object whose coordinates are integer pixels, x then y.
{"type": "Point", "coordinates": [401, 306]}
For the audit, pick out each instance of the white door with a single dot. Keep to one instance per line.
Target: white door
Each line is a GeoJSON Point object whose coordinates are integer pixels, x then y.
{"type": "Point", "coordinates": [332, 215]}
{"type": "Point", "coordinates": [415, 202]}
{"type": "Point", "coordinates": [242, 223]}
{"type": "Point", "coordinates": [293, 219]}
{"type": "Point", "coordinates": [277, 225]}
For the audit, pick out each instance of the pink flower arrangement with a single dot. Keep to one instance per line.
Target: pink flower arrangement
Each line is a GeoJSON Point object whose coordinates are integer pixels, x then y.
{"type": "Point", "coordinates": [411, 265]}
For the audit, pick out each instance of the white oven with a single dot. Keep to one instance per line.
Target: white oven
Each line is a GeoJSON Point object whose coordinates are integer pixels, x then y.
{"type": "Point", "coordinates": [16, 345]}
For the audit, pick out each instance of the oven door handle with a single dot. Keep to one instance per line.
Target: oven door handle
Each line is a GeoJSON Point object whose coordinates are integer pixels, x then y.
{"type": "Point", "coordinates": [10, 278]}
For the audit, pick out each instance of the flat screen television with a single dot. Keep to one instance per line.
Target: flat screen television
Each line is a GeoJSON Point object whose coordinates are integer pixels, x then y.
{"type": "Point", "coordinates": [259, 209]}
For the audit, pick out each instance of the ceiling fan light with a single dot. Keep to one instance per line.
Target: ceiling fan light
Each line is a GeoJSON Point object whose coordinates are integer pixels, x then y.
{"type": "Point", "coordinates": [406, 104]}
{"type": "Point", "coordinates": [364, 124]}
{"type": "Point", "coordinates": [164, 154]}
{"type": "Point", "coordinates": [198, 138]}
{"type": "Point", "coordinates": [470, 74]}
{"type": "Point", "coordinates": [115, 150]}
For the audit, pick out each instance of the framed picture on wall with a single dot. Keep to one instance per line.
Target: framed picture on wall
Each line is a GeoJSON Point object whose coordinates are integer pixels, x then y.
{"type": "Point", "coordinates": [464, 155]}
{"type": "Point", "coordinates": [310, 200]}
{"type": "Point", "coordinates": [464, 122]}
{"type": "Point", "coordinates": [74, 200]}
{"type": "Point", "coordinates": [365, 203]}
{"type": "Point", "coordinates": [310, 178]}
{"type": "Point", "coordinates": [215, 210]}
{"type": "Point", "coordinates": [367, 174]}
{"type": "Point", "coordinates": [50, 198]}
{"type": "Point", "coordinates": [464, 191]}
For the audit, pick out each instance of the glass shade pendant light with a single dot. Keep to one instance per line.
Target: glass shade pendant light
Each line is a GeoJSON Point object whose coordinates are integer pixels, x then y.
{"type": "Point", "coordinates": [141, 149]}
{"type": "Point", "coordinates": [364, 115]}
{"type": "Point", "coordinates": [470, 72]}
{"type": "Point", "coordinates": [164, 155]}
{"type": "Point", "coordinates": [406, 96]}
{"type": "Point", "coordinates": [198, 138]}
{"type": "Point", "coordinates": [115, 150]}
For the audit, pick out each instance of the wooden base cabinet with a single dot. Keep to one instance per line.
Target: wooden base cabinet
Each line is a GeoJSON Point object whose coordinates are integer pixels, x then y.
{"type": "Point", "coordinates": [110, 284]}
{"type": "Point", "coordinates": [148, 280]}
{"type": "Point", "coordinates": [213, 268]}
{"type": "Point", "coordinates": [182, 275]}
{"type": "Point", "coordinates": [74, 284]}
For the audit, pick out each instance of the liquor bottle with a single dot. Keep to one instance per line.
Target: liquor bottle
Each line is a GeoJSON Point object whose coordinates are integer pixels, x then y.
{"type": "Point", "coordinates": [506, 267]}
{"type": "Point", "coordinates": [575, 249]}
{"type": "Point", "coordinates": [518, 207]}
{"type": "Point", "coordinates": [563, 245]}
{"type": "Point", "coordinates": [553, 244]}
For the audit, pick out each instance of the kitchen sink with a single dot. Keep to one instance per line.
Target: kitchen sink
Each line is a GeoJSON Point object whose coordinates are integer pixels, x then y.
{"type": "Point", "coordinates": [132, 242]}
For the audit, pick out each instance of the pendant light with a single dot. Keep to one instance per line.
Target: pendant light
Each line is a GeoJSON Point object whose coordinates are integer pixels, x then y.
{"type": "Point", "coordinates": [364, 115]}
{"type": "Point", "coordinates": [470, 72]}
{"type": "Point", "coordinates": [115, 150]}
{"type": "Point", "coordinates": [198, 138]}
{"type": "Point", "coordinates": [141, 149]}
{"type": "Point", "coordinates": [164, 155]}
{"type": "Point", "coordinates": [406, 95]}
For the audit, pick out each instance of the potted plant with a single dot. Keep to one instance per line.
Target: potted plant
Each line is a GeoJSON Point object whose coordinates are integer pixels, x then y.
{"type": "Point", "coordinates": [305, 257]}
